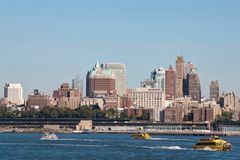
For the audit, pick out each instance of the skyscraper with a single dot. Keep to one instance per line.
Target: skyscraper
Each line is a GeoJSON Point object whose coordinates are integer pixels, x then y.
{"type": "Point", "coordinates": [214, 90]}
{"type": "Point", "coordinates": [100, 82]}
{"type": "Point", "coordinates": [13, 92]}
{"type": "Point", "coordinates": [189, 66]}
{"type": "Point", "coordinates": [158, 77]}
{"type": "Point", "coordinates": [194, 86]}
{"type": "Point", "coordinates": [179, 77]}
{"type": "Point", "coordinates": [170, 82]}
{"type": "Point", "coordinates": [77, 83]}
{"type": "Point", "coordinates": [120, 73]}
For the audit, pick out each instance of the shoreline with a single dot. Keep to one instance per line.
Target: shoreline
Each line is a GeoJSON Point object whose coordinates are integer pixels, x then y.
{"type": "Point", "coordinates": [167, 133]}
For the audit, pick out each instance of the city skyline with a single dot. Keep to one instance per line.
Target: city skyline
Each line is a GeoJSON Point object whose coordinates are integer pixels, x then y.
{"type": "Point", "coordinates": [46, 44]}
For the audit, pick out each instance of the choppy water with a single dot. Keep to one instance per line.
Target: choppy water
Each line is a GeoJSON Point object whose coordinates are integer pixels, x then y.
{"type": "Point", "coordinates": [108, 147]}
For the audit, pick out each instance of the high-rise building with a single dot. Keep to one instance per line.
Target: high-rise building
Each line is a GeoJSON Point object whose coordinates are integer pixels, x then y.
{"type": "Point", "coordinates": [77, 83]}
{"type": "Point", "coordinates": [214, 90]}
{"type": "Point", "coordinates": [120, 73]}
{"type": "Point", "coordinates": [170, 82]}
{"type": "Point", "coordinates": [179, 77]}
{"type": "Point", "coordinates": [100, 82]}
{"type": "Point", "coordinates": [158, 77]}
{"type": "Point", "coordinates": [13, 92]}
{"type": "Point", "coordinates": [194, 86]}
{"type": "Point", "coordinates": [189, 66]}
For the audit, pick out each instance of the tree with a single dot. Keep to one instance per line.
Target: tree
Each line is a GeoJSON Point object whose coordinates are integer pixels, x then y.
{"type": "Point", "coordinates": [111, 113]}
{"type": "Point", "coordinates": [145, 115]}
{"type": "Point", "coordinates": [225, 118]}
{"type": "Point", "coordinates": [124, 115]}
{"type": "Point", "coordinates": [84, 112]}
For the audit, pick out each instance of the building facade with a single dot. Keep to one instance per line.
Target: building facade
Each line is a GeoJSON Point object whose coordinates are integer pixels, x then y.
{"type": "Point", "coordinates": [208, 111]}
{"type": "Point", "coordinates": [194, 86]}
{"type": "Point", "coordinates": [40, 99]}
{"type": "Point", "coordinates": [120, 73]}
{"type": "Point", "coordinates": [158, 77]}
{"type": "Point", "coordinates": [147, 83]}
{"type": "Point", "coordinates": [67, 97]}
{"type": "Point", "coordinates": [13, 93]}
{"type": "Point", "coordinates": [230, 102]}
{"type": "Point", "coordinates": [77, 83]}
{"type": "Point", "coordinates": [146, 98]}
{"type": "Point", "coordinates": [179, 77]}
{"type": "Point", "coordinates": [100, 82]}
{"type": "Point", "coordinates": [214, 90]}
{"type": "Point", "coordinates": [170, 83]}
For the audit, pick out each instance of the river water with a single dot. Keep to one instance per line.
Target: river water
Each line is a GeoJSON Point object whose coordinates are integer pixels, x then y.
{"type": "Point", "coordinates": [15, 146]}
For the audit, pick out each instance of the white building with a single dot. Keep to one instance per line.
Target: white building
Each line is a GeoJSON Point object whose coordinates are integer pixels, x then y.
{"type": "Point", "coordinates": [120, 72]}
{"type": "Point", "coordinates": [158, 77]}
{"type": "Point", "coordinates": [13, 92]}
{"type": "Point", "coordinates": [147, 98]}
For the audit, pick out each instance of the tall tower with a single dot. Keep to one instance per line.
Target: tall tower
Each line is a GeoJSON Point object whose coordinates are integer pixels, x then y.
{"type": "Point", "coordinates": [179, 77]}
{"type": "Point", "coordinates": [77, 83]}
{"type": "Point", "coordinates": [100, 82]}
{"type": "Point", "coordinates": [194, 86]}
{"type": "Point", "coordinates": [214, 90]}
{"type": "Point", "coordinates": [189, 66]}
{"type": "Point", "coordinates": [120, 73]}
{"type": "Point", "coordinates": [158, 77]}
{"type": "Point", "coordinates": [13, 92]}
{"type": "Point", "coordinates": [170, 82]}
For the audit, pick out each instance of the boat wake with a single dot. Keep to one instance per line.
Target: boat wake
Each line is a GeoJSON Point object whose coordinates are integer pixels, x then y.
{"type": "Point", "coordinates": [207, 149]}
{"type": "Point", "coordinates": [61, 145]}
{"type": "Point", "coordinates": [80, 140]}
{"type": "Point", "coordinates": [169, 139]}
{"type": "Point", "coordinates": [172, 148]}
{"type": "Point", "coordinates": [155, 147]}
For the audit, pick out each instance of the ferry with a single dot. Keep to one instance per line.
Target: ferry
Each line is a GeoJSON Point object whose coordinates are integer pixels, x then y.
{"type": "Point", "coordinates": [141, 136]}
{"type": "Point", "coordinates": [49, 136]}
{"type": "Point", "coordinates": [214, 143]}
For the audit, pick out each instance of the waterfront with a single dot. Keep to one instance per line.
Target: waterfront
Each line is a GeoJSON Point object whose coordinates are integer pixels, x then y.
{"type": "Point", "coordinates": [15, 146]}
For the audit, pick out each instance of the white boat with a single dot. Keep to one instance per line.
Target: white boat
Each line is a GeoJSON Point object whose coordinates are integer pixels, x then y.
{"type": "Point", "coordinates": [49, 136]}
{"type": "Point", "coordinates": [77, 132]}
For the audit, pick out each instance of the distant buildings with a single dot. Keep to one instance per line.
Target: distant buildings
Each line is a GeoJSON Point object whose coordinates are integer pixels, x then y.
{"type": "Point", "coordinates": [173, 114]}
{"type": "Point", "coordinates": [147, 83]}
{"type": "Point", "coordinates": [100, 82]}
{"type": "Point", "coordinates": [39, 99]}
{"type": "Point", "coordinates": [170, 83]}
{"type": "Point", "coordinates": [13, 92]}
{"type": "Point", "coordinates": [208, 111]}
{"type": "Point", "coordinates": [77, 83]}
{"type": "Point", "coordinates": [194, 86]}
{"type": "Point", "coordinates": [179, 77]}
{"type": "Point", "coordinates": [67, 97]}
{"type": "Point", "coordinates": [158, 77]}
{"type": "Point", "coordinates": [120, 73]}
{"type": "Point", "coordinates": [148, 98]}
{"type": "Point", "coordinates": [92, 101]}
{"type": "Point", "coordinates": [189, 66]}
{"type": "Point", "coordinates": [187, 110]}
{"type": "Point", "coordinates": [214, 90]}
{"type": "Point", "coordinates": [229, 101]}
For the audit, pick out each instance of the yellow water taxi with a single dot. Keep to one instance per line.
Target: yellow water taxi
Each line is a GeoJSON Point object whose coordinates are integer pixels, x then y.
{"type": "Point", "coordinates": [141, 136]}
{"type": "Point", "coordinates": [213, 143]}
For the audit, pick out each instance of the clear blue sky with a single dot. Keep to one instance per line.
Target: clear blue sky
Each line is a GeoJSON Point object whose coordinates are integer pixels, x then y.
{"type": "Point", "coordinates": [47, 42]}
